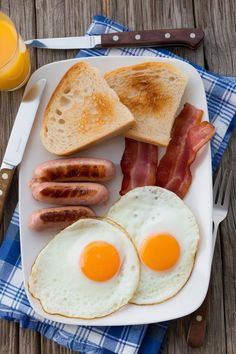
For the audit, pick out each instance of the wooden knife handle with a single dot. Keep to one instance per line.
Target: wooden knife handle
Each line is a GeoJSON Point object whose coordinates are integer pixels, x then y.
{"type": "Point", "coordinates": [188, 37]}
{"type": "Point", "coordinates": [197, 327]}
{"type": "Point", "coordinates": [6, 176]}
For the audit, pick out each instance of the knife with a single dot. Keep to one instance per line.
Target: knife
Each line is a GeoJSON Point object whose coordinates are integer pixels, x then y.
{"type": "Point", "coordinates": [19, 137]}
{"type": "Point", "coordinates": [188, 37]}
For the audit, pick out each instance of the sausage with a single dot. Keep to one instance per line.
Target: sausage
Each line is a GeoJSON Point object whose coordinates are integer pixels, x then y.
{"type": "Point", "coordinates": [69, 193]}
{"type": "Point", "coordinates": [75, 170]}
{"type": "Point", "coordinates": [58, 218]}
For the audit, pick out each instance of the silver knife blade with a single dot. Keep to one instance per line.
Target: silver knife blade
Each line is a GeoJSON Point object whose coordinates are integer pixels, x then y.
{"type": "Point", "coordinates": [65, 43]}
{"type": "Point", "coordinates": [23, 124]}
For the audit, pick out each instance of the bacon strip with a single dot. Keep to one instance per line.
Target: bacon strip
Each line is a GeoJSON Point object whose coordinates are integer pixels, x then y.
{"type": "Point", "coordinates": [138, 165]}
{"type": "Point", "coordinates": [189, 134]}
{"type": "Point", "coordinates": [200, 134]}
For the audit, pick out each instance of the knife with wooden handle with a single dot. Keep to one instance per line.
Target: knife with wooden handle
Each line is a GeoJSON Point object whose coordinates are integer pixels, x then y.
{"type": "Point", "coordinates": [188, 37]}
{"type": "Point", "coordinates": [18, 138]}
{"type": "Point", "coordinates": [197, 326]}
{"type": "Point", "coordinates": [6, 175]}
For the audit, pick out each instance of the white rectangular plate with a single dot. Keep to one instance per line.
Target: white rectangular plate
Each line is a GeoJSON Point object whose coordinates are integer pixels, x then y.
{"type": "Point", "coordinates": [199, 198]}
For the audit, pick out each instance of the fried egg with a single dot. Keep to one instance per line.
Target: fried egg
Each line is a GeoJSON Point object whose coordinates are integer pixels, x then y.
{"type": "Point", "coordinates": [88, 270]}
{"type": "Point", "coordinates": [166, 236]}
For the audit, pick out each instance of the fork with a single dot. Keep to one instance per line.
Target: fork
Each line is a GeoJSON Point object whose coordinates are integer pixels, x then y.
{"type": "Point", "coordinates": [221, 198]}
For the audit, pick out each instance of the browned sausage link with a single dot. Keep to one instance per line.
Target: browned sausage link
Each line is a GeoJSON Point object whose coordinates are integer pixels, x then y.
{"type": "Point", "coordinates": [75, 172]}
{"type": "Point", "coordinates": [75, 169]}
{"type": "Point", "coordinates": [63, 215]}
{"type": "Point", "coordinates": [67, 192]}
{"type": "Point", "coordinates": [58, 218]}
{"type": "Point", "coordinates": [70, 193]}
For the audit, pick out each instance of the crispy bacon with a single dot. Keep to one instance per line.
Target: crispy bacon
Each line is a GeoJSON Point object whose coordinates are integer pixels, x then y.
{"type": "Point", "coordinates": [138, 165]}
{"type": "Point", "coordinates": [189, 134]}
{"type": "Point", "coordinates": [200, 134]}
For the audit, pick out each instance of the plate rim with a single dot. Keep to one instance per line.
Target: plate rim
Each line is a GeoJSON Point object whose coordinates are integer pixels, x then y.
{"type": "Point", "coordinates": [102, 321]}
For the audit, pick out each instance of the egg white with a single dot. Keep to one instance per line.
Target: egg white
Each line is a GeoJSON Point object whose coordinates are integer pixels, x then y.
{"type": "Point", "coordinates": [145, 211]}
{"type": "Point", "coordinates": [62, 288]}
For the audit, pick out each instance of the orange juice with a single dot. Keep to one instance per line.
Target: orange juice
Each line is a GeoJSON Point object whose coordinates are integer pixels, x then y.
{"type": "Point", "coordinates": [14, 56]}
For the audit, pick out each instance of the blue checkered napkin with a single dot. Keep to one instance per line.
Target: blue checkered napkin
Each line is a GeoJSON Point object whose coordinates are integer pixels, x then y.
{"type": "Point", "coordinates": [14, 306]}
{"type": "Point", "coordinates": [220, 90]}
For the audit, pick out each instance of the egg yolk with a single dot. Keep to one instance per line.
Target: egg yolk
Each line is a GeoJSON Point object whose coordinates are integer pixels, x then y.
{"type": "Point", "coordinates": [100, 261]}
{"type": "Point", "coordinates": [160, 252]}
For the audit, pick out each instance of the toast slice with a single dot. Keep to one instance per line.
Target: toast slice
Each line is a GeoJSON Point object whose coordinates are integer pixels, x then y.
{"type": "Point", "coordinates": [82, 111]}
{"type": "Point", "coordinates": [152, 91]}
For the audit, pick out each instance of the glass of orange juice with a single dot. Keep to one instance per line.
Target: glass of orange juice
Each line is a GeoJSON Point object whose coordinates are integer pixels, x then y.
{"type": "Point", "coordinates": [14, 56]}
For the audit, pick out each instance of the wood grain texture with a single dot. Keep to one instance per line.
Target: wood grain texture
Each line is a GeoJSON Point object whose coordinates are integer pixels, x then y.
{"type": "Point", "coordinates": [217, 18]}
{"type": "Point", "coordinates": [9, 338]}
{"type": "Point", "coordinates": [46, 18]}
{"type": "Point", "coordinates": [48, 347]}
{"type": "Point", "coordinates": [151, 38]}
{"type": "Point", "coordinates": [196, 335]}
{"type": "Point", "coordinates": [228, 249]}
{"type": "Point", "coordinates": [6, 176]}
{"type": "Point", "coordinates": [218, 22]}
{"type": "Point", "coordinates": [29, 342]}
{"type": "Point", "coordinates": [23, 14]}
{"type": "Point", "coordinates": [56, 18]}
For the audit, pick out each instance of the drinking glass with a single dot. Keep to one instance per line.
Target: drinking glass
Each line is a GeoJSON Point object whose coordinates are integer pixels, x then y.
{"type": "Point", "coordinates": [14, 56]}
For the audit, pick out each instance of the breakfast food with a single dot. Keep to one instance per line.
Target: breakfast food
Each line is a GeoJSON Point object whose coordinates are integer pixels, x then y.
{"type": "Point", "coordinates": [166, 236]}
{"type": "Point", "coordinates": [139, 161]}
{"type": "Point", "coordinates": [58, 218]}
{"type": "Point", "coordinates": [92, 268]}
{"type": "Point", "coordinates": [88, 270]}
{"type": "Point", "coordinates": [188, 136]}
{"type": "Point", "coordinates": [75, 170]}
{"type": "Point", "coordinates": [152, 91]}
{"type": "Point", "coordinates": [138, 165]}
{"type": "Point", "coordinates": [80, 193]}
{"type": "Point", "coordinates": [82, 111]}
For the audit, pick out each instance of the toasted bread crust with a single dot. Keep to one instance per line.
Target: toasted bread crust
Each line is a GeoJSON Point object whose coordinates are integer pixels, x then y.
{"type": "Point", "coordinates": [82, 111]}
{"type": "Point", "coordinates": [152, 91]}
{"type": "Point", "coordinates": [78, 67]}
{"type": "Point", "coordinates": [143, 66]}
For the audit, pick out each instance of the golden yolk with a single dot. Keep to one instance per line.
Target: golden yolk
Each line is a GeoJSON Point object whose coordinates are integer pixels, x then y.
{"type": "Point", "coordinates": [160, 252]}
{"type": "Point", "coordinates": [100, 261]}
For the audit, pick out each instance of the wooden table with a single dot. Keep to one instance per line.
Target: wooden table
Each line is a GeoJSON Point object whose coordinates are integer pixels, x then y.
{"type": "Point", "coordinates": [48, 18]}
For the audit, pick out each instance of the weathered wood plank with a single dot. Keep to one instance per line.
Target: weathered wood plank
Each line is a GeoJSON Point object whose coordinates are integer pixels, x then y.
{"type": "Point", "coordinates": [49, 347]}
{"type": "Point", "coordinates": [215, 334]}
{"type": "Point", "coordinates": [9, 336]}
{"type": "Point", "coordinates": [228, 245]}
{"type": "Point", "coordinates": [23, 14]}
{"type": "Point", "coordinates": [29, 342]}
{"type": "Point", "coordinates": [217, 18]}
{"type": "Point", "coordinates": [151, 14]}
{"type": "Point", "coordinates": [60, 18]}
{"type": "Point", "coordinates": [218, 21]}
